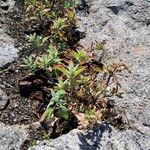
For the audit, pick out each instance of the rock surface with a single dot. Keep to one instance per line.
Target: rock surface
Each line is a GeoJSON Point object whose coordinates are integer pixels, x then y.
{"type": "Point", "coordinates": [12, 137]}
{"type": "Point", "coordinates": [7, 50]}
{"type": "Point", "coordinates": [6, 6]}
{"type": "Point", "coordinates": [124, 25]}
{"type": "Point", "coordinates": [101, 137]}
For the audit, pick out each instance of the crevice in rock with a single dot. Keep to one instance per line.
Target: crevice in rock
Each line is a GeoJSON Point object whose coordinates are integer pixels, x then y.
{"type": "Point", "coordinates": [129, 3]}
{"type": "Point", "coordinates": [4, 7]}
{"type": "Point", "coordinates": [124, 7]}
{"type": "Point", "coordinates": [114, 9]}
{"type": "Point", "coordinates": [83, 7]}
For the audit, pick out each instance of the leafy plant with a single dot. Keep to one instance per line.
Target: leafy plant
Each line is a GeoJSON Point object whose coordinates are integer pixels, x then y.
{"type": "Point", "coordinates": [30, 2]}
{"type": "Point", "coordinates": [56, 103]}
{"type": "Point", "coordinates": [30, 64]}
{"type": "Point", "coordinates": [48, 60]}
{"type": "Point", "coordinates": [69, 4]}
{"type": "Point", "coordinates": [77, 90]}
{"type": "Point", "coordinates": [66, 98]}
{"type": "Point", "coordinates": [59, 24]}
{"type": "Point", "coordinates": [88, 118]}
{"type": "Point", "coordinates": [35, 39]}
{"type": "Point", "coordinates": [71, 71]}
{"type": "Point", "coordinates": [81, 56]}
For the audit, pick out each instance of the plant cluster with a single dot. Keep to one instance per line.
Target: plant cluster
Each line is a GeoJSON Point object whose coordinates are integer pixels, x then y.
{"type": "Point", "coordinates": [55, 18]}
{"type": "Point", "coordinates": [77, 90]}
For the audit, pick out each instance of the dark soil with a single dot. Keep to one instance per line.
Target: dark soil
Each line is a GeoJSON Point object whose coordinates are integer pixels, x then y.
{"type": "Point", "coordinates": [25, 102]}
{"type": "Point", "coordinates": [19, 110]}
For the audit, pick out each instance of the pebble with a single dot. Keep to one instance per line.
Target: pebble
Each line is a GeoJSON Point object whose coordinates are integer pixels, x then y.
{"type": "Point", "coordinates": [3, 99]}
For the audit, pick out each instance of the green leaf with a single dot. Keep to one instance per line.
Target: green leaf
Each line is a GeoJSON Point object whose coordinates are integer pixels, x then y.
{"type": "Point", "coordinates": [81, 56]}
{"type": "Point", "coordinates": [64, 112]}
{"type": "Point", "coordinates": [77, 72]}
{"type": "Point", "coordinates": [56, 97]}
{"type": "Point", "coordinates": [89, 113]}
{"type": "Point", "coordinates": [47, 114]}
{"type": "Point", "coordinates": [61, 84]}
{"type": "Point", "coordinates": [63, 70]}
{"type": "Point", "coordinates": [61, 92]}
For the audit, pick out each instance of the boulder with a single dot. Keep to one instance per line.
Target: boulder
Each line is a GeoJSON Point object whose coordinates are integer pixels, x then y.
{"type": "Point", "coordinates": [12, 137]}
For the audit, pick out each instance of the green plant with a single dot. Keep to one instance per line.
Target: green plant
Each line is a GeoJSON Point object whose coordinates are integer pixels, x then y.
{"type": "Point", "coordinates": [61, 85]}
{"type": "Point", "coordinates": [48, 60]}
{"type": "Point", "coordinates": [30, 2]}
{"type": "Point", "coordinates": [99, 46]}
{"type": "Point", "coordinates": [46, 136]}
{"type": "Point", "coordinates": [57, 18]}
{"type": "Point", "coordinates": [33, 142]}
{"type": "Point", "coordinates": [69, 4]}
{"type": "Point", "coordinates": [76, 90]}
{"type": "Point", "coordinates": [35, 39]}
{"type": "Point", "coordinates": [81, 56]}
{"type": "Point", "coordinates": [56, 103]}
{"type": "Point", "coordinates": [70, 91]}
{"type": "Point", "coordinates": [59, 24]}
{"type": "Point", "coordinates": [71, 71]}
{"type": "Point", "coordinates": [30, 64]}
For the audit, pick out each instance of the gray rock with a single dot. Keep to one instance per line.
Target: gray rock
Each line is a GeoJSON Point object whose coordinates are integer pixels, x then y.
{"type": "Point", "coordinates": [124, 25]}
{"type": "Point", "coordinates": [6, 6]}
{"type": "Point", "coordinates": [12, 137]}
{"type": "Point", "coordinates": [3, 100]}
{"type": "Point", "coordinates": [7, 50]}
{"type": "Point", "coordinates": [36, 125]}
{"type": "Point", "coordinates": [101, 137]}
{"type": "Point", "coordinates": [66, 142]}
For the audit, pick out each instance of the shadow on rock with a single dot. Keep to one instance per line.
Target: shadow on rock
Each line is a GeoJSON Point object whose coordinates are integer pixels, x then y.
{"type": "Point", "coordinates": [91, 139]}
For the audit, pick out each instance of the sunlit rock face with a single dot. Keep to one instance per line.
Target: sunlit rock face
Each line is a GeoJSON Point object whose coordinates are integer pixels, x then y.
{"type": "Point", "coordinates": [12, 137]}
{"type": "Point", "coordinates": [7, 50]}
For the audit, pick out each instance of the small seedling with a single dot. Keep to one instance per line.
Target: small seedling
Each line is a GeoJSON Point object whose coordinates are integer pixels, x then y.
{"type": "Point", "coordinates": [30, 64]}
{"type": "Point", "coordinates": [35, 39]}
{"type": "Point", "coordinates": [81, 56]}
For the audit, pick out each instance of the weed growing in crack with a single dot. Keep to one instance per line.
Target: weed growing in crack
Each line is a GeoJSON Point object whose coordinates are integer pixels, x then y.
{"type": "Point", "coordinates": [77, 91]}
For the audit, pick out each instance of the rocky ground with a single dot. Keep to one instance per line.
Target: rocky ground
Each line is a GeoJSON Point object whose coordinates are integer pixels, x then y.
{"type": "Point", "coordinates": [8, 51]}
{"type": "Point", "coordinates": [11, 137]}
{"type": "Point", "coordinates": [124, 28]}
